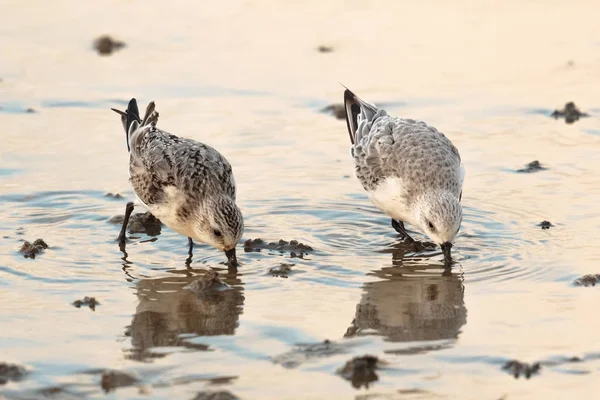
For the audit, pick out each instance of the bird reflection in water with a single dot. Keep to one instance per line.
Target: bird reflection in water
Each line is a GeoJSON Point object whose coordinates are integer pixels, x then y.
{"type": "Point", "coordinates": [414, 301]}
{"type": "Point", "coordinates": [175, 305]}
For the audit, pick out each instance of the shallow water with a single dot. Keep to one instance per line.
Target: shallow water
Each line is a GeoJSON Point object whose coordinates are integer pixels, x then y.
{"type": "Point", "coordinates": [246, 78]}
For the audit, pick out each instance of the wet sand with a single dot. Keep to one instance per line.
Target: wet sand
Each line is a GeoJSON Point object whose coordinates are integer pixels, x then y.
{"type": "Point", "coordinates": [248, 78]}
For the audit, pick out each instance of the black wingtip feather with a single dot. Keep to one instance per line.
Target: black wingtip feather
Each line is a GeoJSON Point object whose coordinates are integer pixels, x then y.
{"type": "Point", "coordinates": [129, 117]}
{"type": "Point", "coordinates": [133, 114]}
{"type": "Point", "coordinates": [352, 107]}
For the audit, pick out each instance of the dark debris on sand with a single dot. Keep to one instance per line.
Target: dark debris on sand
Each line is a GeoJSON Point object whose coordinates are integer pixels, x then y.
{"type": "Point", "coordinates": [106, 45]}
{"type": "Point", "coordinates": [337, 110]}
{"type": "Point", "coordinates": [545, 225]}
{"type": "Point", "coordinates": [208, 282]}
{"type": "Point", "coordinates": [295, 248]}
{"type": "Point", "coordinates": [112, 380]}
{"type": "Point", "coordinates": [219, 395]}
{"type": "Point", "coordinates": [11, 372]}
{"type": "Point", "coordinates": [360, 371]}
{"type": "Point", "coordinates": [517, 368]}
{"type": "Point", "coordinates": [29, 250]}
{"type": "Point", "coordinates": [114, 196]}
{"type": "Point", "coordinates": [29, 110]}
{"type": "Point", "coordinates": [533, 166]}
{"type": "Point", "coordinates": [91, 302]}
{"type": "Point", "coordinates": [324, 49]}
{"type": "Point", "coordinates": [587, 280]}
{"type": "Point", "coordinates": [140, 223]}
{"type": "Point", "coordinates": [282, 270]}
{"type": "Point", "coordinates": [570, 113]}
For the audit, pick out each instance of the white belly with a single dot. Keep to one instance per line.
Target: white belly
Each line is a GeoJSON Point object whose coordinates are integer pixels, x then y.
{"type": "Point", "coordinates": [166, 212]}
{"type": "Point", "coordinates": [390, 197]}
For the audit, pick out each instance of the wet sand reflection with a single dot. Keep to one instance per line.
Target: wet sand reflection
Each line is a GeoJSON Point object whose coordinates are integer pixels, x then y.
{"type": "Point", "coordinates": [168, 309]}
{"type": "Point", "coordinates": [413, 301]}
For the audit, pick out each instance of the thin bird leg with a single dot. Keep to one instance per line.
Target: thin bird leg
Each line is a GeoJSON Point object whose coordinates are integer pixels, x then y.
{"type": "Point", "coordinates": [188, 261]}
{"type": "Point", "coordinates": [128, 211]}
{"type": "Point", "coordinates": [399, 227]}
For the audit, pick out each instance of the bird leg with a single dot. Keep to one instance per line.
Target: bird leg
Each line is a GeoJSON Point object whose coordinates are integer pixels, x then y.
{"type": "Point", "coordinates": [399, 227]}
{"type": "Point", "coordinates": [128, 211]}
{"type": "Point", "coordinates": [188, 261]}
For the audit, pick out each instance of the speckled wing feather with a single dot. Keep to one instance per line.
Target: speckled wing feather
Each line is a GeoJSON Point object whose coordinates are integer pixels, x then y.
{"type": "Point", "coordinates": [407, 149]}
{"type": "Point", "coordinates": [160, 159]}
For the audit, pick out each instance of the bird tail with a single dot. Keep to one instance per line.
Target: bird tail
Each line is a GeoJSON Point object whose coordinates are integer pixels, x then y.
{"type": "Point", "coordinates": [130, 119]}
{"type": "Point", "coordinates": [355, 107]}
{"type": "Point", "coordinates": [151, 116]}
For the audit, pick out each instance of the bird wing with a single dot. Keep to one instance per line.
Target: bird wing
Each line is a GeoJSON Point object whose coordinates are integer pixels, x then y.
{"type": "Point", "coordinates": [410, 150]}
{"type": "Point", "coordinates": [160, 159]}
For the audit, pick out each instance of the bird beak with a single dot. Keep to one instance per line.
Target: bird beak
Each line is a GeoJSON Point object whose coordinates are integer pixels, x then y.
{"type": "Point", "coordinates": [231, 258]}
{"type": "Point", "coordinates": [446, 250]}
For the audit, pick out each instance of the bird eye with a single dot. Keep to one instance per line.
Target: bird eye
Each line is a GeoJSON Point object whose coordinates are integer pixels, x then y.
{"type": "Point", "coordinates": [431, 226]}
{"type": "Point", "coordinates": [217, 233]}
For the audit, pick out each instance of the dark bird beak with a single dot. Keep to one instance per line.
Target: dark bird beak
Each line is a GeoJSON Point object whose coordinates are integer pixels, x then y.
{"type": "Point", "coordinates": [231, 258]}
{"type": "Point", "coordinates": [446, 250]}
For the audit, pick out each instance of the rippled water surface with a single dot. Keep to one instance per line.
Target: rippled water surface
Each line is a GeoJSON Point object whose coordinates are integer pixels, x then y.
{"type": "Point", "coordinates": [246, 78]}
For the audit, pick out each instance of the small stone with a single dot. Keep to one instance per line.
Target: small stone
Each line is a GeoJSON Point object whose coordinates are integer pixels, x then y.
{"type": "Point", "coordinates": [91, 302]}
{"type": "Point", "coordinates": [30, 110]}
{"type": "Point", "coordinates": [533, 166]}
{"type": "Point", "coordinates": [144, 223]}
{"type": "Point", "coordinates": [281, 246]}
{"type": "Point", "coordinates": [11, 372]}
{"type": "Point", "coordinates": [106, 45]}
{"type": "Point", "coordinates": [282, 270]}
{"type": "Point", "coordinates": [40, 243]}
{"type": "Point", "coordinates": [324, 49]}
{"type": "Point", "coordinates": [114, 196]}
{"type": "Point", "coordinates": [30, 250]}
{"type": "Point", "coordinates": [570, 113]}
{"type": "Point", "coordinates": [545, 225]}
{"type": "Point", "coordinates": [517, 368]}
{"type": "Point", "coordinates": [587, 280]}
{"type": "Point", "coordinates": [140, 223]}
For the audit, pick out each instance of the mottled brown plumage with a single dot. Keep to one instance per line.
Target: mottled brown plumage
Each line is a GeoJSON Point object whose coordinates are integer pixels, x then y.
{"type": "Point", "coordinates": [188, 185]}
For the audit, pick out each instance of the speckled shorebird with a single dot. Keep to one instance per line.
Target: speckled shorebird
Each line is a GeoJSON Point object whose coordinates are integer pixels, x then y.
{"type": "Point", "coordinates": [188, 185]}
{"type": "Point", "coordinates": [411, 171]}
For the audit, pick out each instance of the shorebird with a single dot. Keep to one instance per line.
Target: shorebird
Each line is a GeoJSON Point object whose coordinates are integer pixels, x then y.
{"type": "Point", "coordinates": [186, 184]}
{"type": "Point", "coordinates": [410, 170]}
